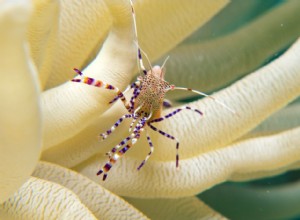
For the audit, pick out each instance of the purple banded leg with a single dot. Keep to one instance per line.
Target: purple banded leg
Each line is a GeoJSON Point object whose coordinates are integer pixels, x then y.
{"type": "Point", "coordinates": [149, 154]}
{"type": "Point", "coordinates": [98, 83]}
{"type": "Point", "coordinates": [122, 143]}
{"type": "Point", "coordinates": [139, 126]}
{"type": "Point", "coordinates": [174, 113]}
{"type": "Point", "coordinates": [133, 121]}
{"type": "Point", "coordinates": [133, 85]}
{"type": "Point", "coordinates": [168, 136]}
{"type": "Point", "coordinates": [136, 92]}
{"type": "Point", "coordinates": [108, 132]}
{"type": "Point", "coordinates": [113, 158]}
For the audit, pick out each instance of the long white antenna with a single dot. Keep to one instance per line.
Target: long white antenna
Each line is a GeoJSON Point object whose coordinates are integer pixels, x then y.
{"type": "Point", "coordinates": [208, 96]}
{"type": "Point", "coordinates": [164, 63]}
{"type": "Point", "coordinates": [136, 39]}
{"type": "Point", "coordinates": [148, 61]}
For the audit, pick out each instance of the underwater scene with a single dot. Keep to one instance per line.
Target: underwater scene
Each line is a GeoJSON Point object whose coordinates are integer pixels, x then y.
{"type": "Point", "coordinates": [146, 109]}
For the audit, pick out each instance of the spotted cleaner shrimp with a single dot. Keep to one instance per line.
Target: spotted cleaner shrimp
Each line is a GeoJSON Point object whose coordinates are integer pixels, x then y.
{"type": "Point", "coordinates": [144, 107]}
